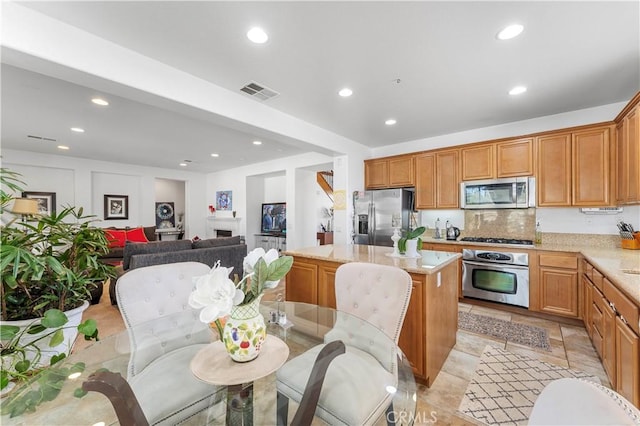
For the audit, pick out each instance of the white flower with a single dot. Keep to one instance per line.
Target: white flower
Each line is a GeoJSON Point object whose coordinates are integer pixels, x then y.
{"type": "Point", "coordinates": [215, 293]}
{"type": "Point", "coordinates": [252, 258]}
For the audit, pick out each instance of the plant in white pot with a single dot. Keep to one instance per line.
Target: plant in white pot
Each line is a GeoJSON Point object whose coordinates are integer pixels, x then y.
{"type": "Point", "coordinates": [411, 242]}
{"type": "Point", "coordinates": [49, 264]}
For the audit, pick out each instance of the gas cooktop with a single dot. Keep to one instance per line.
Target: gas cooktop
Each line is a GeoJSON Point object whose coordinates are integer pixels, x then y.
{"type": "Point", "coordinates": [497, 240]}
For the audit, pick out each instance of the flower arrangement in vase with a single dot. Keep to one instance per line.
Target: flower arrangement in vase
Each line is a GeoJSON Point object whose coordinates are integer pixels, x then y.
{"type": "Point", "coordinates": [232, 307]}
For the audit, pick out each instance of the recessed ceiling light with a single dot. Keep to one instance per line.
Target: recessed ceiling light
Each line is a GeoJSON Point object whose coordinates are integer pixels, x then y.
{"type": "Point", "coordinates": [183, 164]}
{"type": "Point", "coordinates": [346, 92]}
{"type": "Point", "coordinates": [215, 155]}
{"type": "Point", "coordinates": [64, 147]}
{"type": "Point", "coordinates": [100, 101]}
{"type": "Point", "coordinates": [77, 129]}
{"type": "Point", "coordinates": [257, 142]}
{"type": "Point", "coordinates": [518, 90]}
{"type": "Point", "coordinates": [390, 122]}
{"type": "Point", "coordinates": [510, 32]}
{"type": "Point", "coordinates": [257, 35]}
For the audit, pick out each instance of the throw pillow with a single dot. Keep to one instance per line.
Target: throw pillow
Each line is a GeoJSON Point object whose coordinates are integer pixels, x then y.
{"type": "Point", "coordinates": [137, 235]}
{"type": "Point", "coordinates": [116, 237]}
{"type": "Point", "coordinates": [217, 242]}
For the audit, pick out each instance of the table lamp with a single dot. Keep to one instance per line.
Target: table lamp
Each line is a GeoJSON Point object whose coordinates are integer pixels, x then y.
{"type": "Point", "coordinates": [25, 207]}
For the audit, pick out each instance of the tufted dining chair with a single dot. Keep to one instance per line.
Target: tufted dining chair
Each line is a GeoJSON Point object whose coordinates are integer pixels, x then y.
{"type": "Point", "coordinates": [573, 401]}
{"type": "Point", "coordinates": [160, 349]}
{"type": "Point", "coordinates": [357, 383]}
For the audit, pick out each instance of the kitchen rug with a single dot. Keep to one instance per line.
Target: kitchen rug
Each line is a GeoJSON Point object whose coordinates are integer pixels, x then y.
{"type": "Point", "coordinates": [504, 386]}
{"type": "Point", "coordinates": [523, 334]}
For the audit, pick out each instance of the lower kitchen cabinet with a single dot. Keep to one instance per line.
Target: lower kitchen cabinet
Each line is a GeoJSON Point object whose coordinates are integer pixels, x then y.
{"type": "Point", "coordinates": [305, 276]}
{"type": "Point", "coordinates": [627, 362]}
{"type": "Point", "coordinates": [558, 283]}
{"type": "Point", "coordinates": [413, 330]}
{"type": "Point", "coordinates": [614, 330]}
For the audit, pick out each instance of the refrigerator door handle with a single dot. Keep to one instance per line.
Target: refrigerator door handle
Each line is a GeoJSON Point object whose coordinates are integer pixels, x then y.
{"type": "Point", "coordinates": [372, 226]}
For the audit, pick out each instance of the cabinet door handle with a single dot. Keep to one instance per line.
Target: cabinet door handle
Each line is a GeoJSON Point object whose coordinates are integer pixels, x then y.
{"type": "Point", "coordinates": [623, 320]}
{"type": "Point", "coordinates": [612, 306]}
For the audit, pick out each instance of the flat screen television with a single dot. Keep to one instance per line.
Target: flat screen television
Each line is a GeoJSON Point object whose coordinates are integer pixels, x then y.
{"type": "Point", "coordinates": [274, 218]}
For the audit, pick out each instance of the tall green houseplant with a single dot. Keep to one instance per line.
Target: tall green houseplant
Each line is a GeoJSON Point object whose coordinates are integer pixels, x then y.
{"type": "Point", "coordinates": [48, 261]}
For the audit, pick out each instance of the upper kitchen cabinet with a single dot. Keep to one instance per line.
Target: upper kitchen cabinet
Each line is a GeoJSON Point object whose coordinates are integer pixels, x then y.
{"type": "Point", "coordinates": [437, 179]}
{"type": "Point", "coordinates": [478, 162]}
{"type": "Point", "coordinates": [498, 160]}
{"type": "Point", "coordinates": [591, 167]}
{"type": "Point", "coordinates": [515, 158]}
{"type": "Point", "coordinates": [628, 153]}
{"type": "Point", "coordinates": [553, 180]}
{"type": "Point", "coordinates": [390, 172]}
{"type": "Point", "coordinates": [574, 168]}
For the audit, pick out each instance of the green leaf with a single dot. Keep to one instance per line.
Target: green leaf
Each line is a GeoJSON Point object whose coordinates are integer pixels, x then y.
{"type": "Point", "coordinates": [54, 318]}
{"type": "Point", "coordinates": [415, 233]}
{"type": "Point", "coordinates": [22, 366]}
{"type": "Point", "coordinates": [279, 268]}
{"type": "Point", "coordinates": [89, 328]}
{"type": "Point", "coordinates": [35, 329]}
{"type": "Point", "coordinates": [79, 392]}
{"type": "Point", "coordinates": [57, 358]}
{"type": "Point", "coordinates": [4, 379]}
{"type": "Point", "coordinates": [57, 338]}
{"type": "Point", "coordinates": [8, 332]}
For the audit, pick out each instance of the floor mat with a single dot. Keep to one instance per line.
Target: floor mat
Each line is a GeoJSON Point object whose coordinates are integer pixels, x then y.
{"type": "Point", "coordinates": [530, 335]}
{"type": "Point", "coordinates": [505, 386]}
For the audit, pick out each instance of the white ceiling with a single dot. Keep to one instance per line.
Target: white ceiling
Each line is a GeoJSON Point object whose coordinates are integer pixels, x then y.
{"type": "Point", "coordinates": [453, 73]}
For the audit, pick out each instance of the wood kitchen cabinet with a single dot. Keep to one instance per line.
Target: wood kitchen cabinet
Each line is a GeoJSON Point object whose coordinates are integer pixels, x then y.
{"type": "Point", "coordinates": [437, 180]}
{"type": "Point", "coordinates": [515, 158]}
{"type": "Point", "coordinates": [413, 329]}
{"type": "Point", "coordinates": [390, 172]}
{"type": "Point", "coordinates": [305, 275]}
{"type": "Point", "coordinates": [478, 162]}
{"type": "Point", "coordinates": [574, 168]}
{"type": "Point", "coordinates": [558, 283]}
{"type": "Point", "coordinates": [553, 180]}
{"type": "Point", "coordinates": [450, 248]}
{"type": "Point", "coordinates": [498, 160]}
{"type": "Point", "coordinates": [591, 167]}
{"type": "Point", "coordinates": [628, 154]}
{"type": "Point", "coordinates": [627, 362]}
{"type": "Point", "coordinates": [327, 284]}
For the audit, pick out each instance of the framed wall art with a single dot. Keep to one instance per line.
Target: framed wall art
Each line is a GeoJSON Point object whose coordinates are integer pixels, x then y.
{"type": "Point", "coordinates": [224, 200]}
{"type": "Point", "coordinates": [46, 201]}
{"type": "Point", "coordinates": [116, 207]}
{"type": "Point", "coordinates": [165, 215]}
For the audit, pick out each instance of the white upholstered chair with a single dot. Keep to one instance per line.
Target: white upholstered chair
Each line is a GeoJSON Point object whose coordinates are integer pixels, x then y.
{"type": "Point", "coordinates": [355, 390]}
{"type": "Point", "coordinates": [581, 402]}
{"type": "Point", "coordinates": [158, 370]}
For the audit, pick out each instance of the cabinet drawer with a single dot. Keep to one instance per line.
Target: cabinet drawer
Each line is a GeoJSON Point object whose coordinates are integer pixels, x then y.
{"type": "Point", "coordinates": [559, 261]}
{"type": "Point", "coordinates": [596, 318]}
{"type": "Point", "coordinates": [597, 342]}
{"type": "Point", "coordinates": [624, 307]}
{"type": "Point", "coordinates": [596, 278]}
{"type": "Point", "coordinates": [587, 269]}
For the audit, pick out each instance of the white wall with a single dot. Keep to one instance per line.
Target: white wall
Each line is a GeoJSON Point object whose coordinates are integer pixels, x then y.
{"type": "Point", "coordinates": [83, 183]}
{"type": "Point", "coordinates": [570, 220]}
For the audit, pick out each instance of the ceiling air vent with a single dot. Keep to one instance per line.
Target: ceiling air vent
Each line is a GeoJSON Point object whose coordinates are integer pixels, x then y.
{"type": "Point", "coordinates": [42, 138]}
{"type": "Point", "coordinates": [259, 91]}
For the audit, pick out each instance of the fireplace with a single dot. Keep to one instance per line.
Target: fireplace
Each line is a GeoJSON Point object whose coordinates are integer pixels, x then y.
{"type": "Point", "coordinates": [222, 226]}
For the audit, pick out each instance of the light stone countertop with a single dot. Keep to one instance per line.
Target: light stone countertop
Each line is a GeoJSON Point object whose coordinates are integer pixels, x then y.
{"type": "Point", "coordinates": [610, 261]}
{"type": "Point", "coordinates": [430, 261]}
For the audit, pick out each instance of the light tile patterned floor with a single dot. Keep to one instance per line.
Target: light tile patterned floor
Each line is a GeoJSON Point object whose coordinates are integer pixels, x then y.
{"type": "Point", "coordinates": [571, 347]}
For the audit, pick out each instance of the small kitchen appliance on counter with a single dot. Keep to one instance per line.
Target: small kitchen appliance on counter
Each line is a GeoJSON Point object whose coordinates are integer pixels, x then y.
{"type": "Point", "coordinates": [453, 233]}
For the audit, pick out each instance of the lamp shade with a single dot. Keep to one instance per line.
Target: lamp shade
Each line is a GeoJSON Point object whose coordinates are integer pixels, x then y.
{"type": "Point", "coordinates": [25, 206]}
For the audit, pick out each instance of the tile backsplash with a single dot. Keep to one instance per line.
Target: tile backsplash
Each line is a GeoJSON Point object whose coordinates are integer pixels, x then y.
{"type": "Point", "coordinates": [511, 223]}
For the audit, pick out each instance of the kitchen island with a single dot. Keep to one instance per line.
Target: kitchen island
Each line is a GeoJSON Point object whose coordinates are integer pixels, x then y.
{"type": "Point", "coordinates": [429, 330]}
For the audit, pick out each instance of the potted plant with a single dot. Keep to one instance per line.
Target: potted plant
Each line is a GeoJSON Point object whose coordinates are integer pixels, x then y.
{"type": "Point", "coordinates": [409, 243]}
{"type": "Point", "coordinates": [49, 264]}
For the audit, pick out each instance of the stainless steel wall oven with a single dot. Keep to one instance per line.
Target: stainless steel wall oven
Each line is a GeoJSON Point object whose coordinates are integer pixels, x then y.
{"type": "Point", "coordinates": [496, 276]}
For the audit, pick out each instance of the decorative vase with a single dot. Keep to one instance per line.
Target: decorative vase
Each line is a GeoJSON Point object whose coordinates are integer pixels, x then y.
{"type": "Point", "coordinates": [244, 332]}
{"type": "Point", "coordinates": [412, 248]}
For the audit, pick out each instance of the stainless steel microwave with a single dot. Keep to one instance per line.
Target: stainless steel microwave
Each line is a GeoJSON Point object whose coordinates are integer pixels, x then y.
{"type": "Point", "coordinates": [507, 193]}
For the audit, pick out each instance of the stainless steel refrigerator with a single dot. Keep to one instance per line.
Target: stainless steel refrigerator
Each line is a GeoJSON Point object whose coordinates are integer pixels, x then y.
{"type": "Point", "coordinates": [378, 212]}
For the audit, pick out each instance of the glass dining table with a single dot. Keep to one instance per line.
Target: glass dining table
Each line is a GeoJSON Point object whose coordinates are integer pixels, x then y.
{"type": "Point", "coordinates": [298, 326]}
